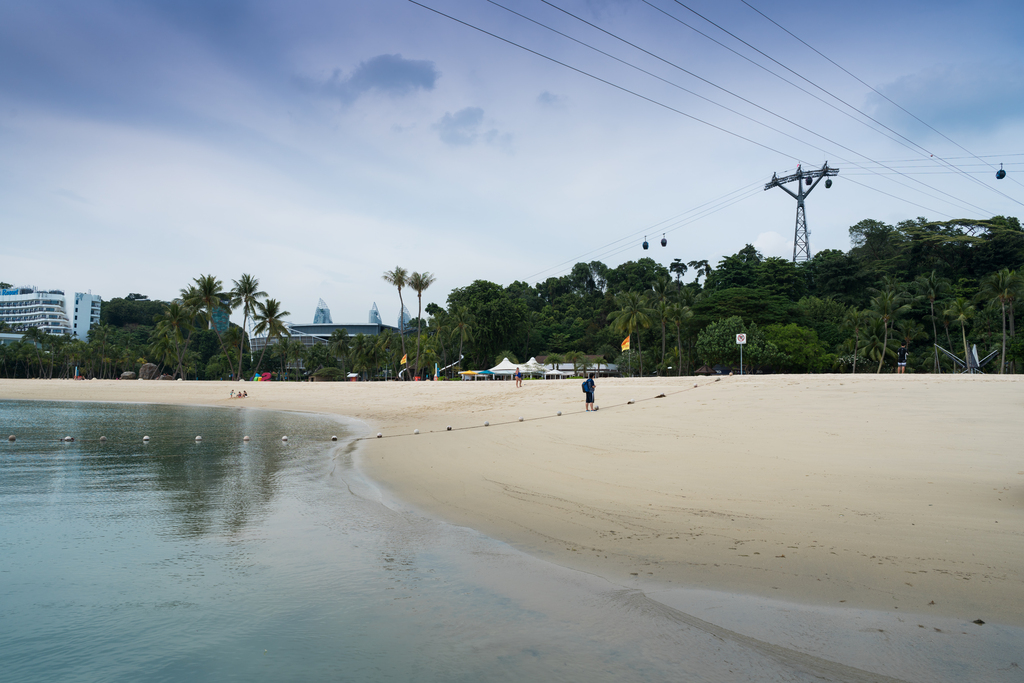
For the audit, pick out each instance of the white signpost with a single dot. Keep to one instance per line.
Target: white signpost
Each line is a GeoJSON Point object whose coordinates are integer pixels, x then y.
{"type": "Point", "coordinates": [741, 340]}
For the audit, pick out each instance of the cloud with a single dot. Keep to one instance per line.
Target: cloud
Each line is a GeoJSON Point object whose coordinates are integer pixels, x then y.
{"type": "Point", "coordinates": [389, 74]}
{"type": "Point", "coordinates": [974, 97]}
{"type": "Point", "coordinates": [550, 100]}
{"type": "Point", "coordinates": [466, 127]}
{"type": "Point", "coordinates": [772, 243]}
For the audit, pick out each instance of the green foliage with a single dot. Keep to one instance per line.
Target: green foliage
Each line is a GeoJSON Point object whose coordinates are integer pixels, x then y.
{"type": "Point", "coordinates": [330, 375]}
{"type": "Point", "coordinates": [756, 305]}
{"type": "Point", "coordinates": [130, 311]}
{"type": "Point", "coordinates": [716, 344]}
{"type": "Point", "coordinates": [799, 349]}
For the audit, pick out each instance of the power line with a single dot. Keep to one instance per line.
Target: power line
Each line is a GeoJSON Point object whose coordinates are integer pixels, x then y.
{"type": "Point", "coordinates": [599, 79]}
{"type": "Point", "coordinates": [943, 197]}
{"type": "Point", "coordinates": [824, 90]}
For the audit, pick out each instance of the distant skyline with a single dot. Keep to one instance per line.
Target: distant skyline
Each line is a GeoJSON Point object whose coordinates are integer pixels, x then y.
{"type": "Point", "coordinates": [317, 144]}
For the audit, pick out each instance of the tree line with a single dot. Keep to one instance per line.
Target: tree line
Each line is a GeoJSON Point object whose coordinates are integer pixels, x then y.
{"type": "Point", "coordinates": [955, 283]}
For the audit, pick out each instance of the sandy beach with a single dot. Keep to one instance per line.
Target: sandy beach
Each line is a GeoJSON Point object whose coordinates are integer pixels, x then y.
{"type": "Point", "coordinates": [896, 493]}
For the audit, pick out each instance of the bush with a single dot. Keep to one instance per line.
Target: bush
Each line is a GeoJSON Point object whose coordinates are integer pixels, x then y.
{"type": "Point", "coordinates": [329, 375]}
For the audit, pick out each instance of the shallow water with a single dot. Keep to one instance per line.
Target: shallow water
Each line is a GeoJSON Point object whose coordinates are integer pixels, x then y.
{"type": "Point", "coordinates": [278, 561]}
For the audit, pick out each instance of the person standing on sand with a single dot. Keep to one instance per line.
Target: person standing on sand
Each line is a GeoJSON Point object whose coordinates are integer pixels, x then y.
{"type": "Point", "coordinates": [589, 384]}
{"type": "Point", "coordinates": [518, 377]}
{"type": "Point", "coordinates": [901, 358]}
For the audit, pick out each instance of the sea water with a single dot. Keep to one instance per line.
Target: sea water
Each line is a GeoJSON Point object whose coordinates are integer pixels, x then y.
{"type": "Point", "coordinates": [271, 560]}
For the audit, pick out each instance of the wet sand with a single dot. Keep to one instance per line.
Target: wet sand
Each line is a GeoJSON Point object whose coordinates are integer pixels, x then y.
{"type": "Point", "coordinates": [900, 494]}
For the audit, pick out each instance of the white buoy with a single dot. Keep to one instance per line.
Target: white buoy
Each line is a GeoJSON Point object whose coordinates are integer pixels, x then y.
{"type": "Point", "coordinates": [68, 438]}
{"type": "Point", "coordinates": [199, 438]}
{"type": "Point", "coordinates": [334, 438]}
{"type": "Point", "coordinates": [245, 438]}
{"type": "Point", "coordinates": [630, 402]}
{"type": "Point", "coordinates": [520, 419]}
{"type": "Point", "coordinates": [379, 435]}
{"type": "Point", "coordinates": [559, 413]}
{"type": "Point", "coordinates": [284, 438]}
{"type": "Point", "coordinates": [145, 438]}
{"type": "Point", "coordinates": [415, 431]}
{"type": "Point", "coordinates": [103, 438]}
{"type": "Point", "coordinates": [597, 407]}
{"type": "Point", "coordinates": [12, 438]}
{"type": "Point", "coordinates": [449, 428]}
{"type": "Point", "coordinates": [487, 424]}
{"type": "Point", "coordinates": [694, 386]}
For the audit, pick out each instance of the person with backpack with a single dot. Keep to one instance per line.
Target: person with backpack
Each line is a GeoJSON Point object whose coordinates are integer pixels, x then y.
{"type": "Point", "coordinates": [588, 389]}
{"type": "Point", "coordinates": [901, 358]}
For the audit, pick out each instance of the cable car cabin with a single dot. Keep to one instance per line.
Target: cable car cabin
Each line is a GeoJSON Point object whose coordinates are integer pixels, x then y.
{"type": "Point", "coordinates": [645, 244]}
{"type": "Point", "coordinates": [664, 242]}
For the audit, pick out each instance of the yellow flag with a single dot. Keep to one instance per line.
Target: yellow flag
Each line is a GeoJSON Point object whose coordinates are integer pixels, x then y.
{"type": "Point", "coordinates": [405, 359]}
{"type": "Point", "coordinates": [625, 344]}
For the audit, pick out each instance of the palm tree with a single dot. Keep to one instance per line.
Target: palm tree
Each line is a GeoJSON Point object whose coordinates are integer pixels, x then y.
{"type": "Point", "coordinates": [633, 314]}
{"type": "Point", "coordinates": [960, 310]}
{"type": "Point", "coordinates": [207, 295]}
{"type": "Point", "coordinates": [659, 297]}
{"type": "Point", "coordinates": [578, 360]}
{"type": "Point", "coordinates": [340, 344]}
{"type": "Point", "coordinates": [677, 315]}
{"type": "Point", "coordinates": [855, 321]}
{"type": "Point", "coordinates": [1004, 287]}
{"type": "Point", "coordinates": [173, 333]}
{"type": "Point", "coordinates": [887, 305]}
{"type": "Point", "coordinates": [269, 319]}
{"type": "Point", "coordinates": [245, 295]}
{"type": "Point", "coordinates": [420, 282]}
{"type": "Point", "coordinates": [399, 277]}
{"type": "Point", "coordinates": [554, 360]}
{"type": "Point", "coordinates": [36, 338]}
{"type": "Point", "coordinates": [462, 321]}
{"type": "Point", "coordinates": [932, 287]}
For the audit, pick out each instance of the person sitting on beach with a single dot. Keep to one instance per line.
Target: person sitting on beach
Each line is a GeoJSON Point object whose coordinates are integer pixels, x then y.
{"type": "Point", "coordinates": [245, 394]}
{"type": "Point", "coordinates": [232, 393]}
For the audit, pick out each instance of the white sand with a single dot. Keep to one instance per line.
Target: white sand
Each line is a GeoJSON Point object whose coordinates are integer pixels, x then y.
{"type": "Point", "coordinates": [879, 492]}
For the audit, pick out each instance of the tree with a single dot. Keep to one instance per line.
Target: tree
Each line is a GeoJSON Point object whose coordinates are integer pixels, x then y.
{"type": "Point", "coordinates": [716, 344]}
{"type": "Point", "coordinates": [1004, 287]}
{"type": "Point", "coordinates": [634, 314]}
{"type": "Point", "coordinates": [932, 288]}
{"type": "Point", "coordinates": [679, 268]}
{"type": "Point", "coordinates": [399, 277]}
{"type": "Point", "coordinates": [245, 295]}
{"type": "Point", "coordinates": [856, 321]}
{"type": "Point", "coordinates": [420, 282]}
{"type": "Point", "coordinates": [269, 319]}
{"type": "Point", "coordinates": [207, 295]}
{"type": "Point", "coordinates": [887, 305]}
{"type": "Point", "coordinates": [660, 291]}
{"type": "Point", "coordinates": [960, 310]}
{"type": "Point", "coordinates": [339, 345]}
{"type": "Point", "coordinates": [461, 321]}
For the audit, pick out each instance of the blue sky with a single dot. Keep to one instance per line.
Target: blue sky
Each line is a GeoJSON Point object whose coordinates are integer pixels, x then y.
{"type": "Point", "coordinates": [318, 144]}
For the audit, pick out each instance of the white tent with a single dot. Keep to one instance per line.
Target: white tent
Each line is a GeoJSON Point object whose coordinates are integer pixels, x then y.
{"type": "Point", "coordinates": [505, 368]}
{"type": "Point", "coordinates": [532, 367]}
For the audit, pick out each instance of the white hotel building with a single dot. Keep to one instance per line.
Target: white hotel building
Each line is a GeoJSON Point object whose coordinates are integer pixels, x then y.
{"type": "Point", "coordinates": [49, 310]}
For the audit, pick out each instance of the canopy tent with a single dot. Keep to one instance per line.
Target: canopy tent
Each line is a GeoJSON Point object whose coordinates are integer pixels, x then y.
{"type": "Point", "coordinates": [505, 367]}
{"type": "Point", "coordinates": [532, 367]}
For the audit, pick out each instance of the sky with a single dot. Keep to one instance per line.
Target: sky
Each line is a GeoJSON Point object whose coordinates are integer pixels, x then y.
{"type": "Point", "coordinates": [316, 145]}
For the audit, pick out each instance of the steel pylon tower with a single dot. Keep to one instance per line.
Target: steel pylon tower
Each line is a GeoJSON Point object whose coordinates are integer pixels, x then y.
{"type": "Point", "coordinates": [810, 179]}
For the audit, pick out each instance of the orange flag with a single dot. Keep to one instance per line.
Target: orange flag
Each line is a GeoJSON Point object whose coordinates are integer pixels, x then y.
{"type": "Point", "coordinates": [625, 344]}
{"type": "Point", "coordinates": [405, 359]}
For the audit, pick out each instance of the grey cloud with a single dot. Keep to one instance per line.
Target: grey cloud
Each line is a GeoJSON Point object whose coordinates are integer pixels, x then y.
{"type": "Point", "coordinates": [389, 74]}
{"type": "Point", "coordinates": [462, 127]}
{"type": "Point", "coordinates": [550, 100]}
{"type": "Point", "coordinates": [962, 97]}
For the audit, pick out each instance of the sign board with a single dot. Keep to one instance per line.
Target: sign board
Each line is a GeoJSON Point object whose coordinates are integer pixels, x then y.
{"type": "Point", "coordinates": [741, 339]}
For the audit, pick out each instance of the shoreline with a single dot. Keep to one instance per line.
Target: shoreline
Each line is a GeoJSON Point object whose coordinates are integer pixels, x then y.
{"type": "Point", "coordinates": [892, 493]}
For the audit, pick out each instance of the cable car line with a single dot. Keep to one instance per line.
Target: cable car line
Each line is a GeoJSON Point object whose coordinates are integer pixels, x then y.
{"type": "Point", "coordinates": [600, 80]}
{"type": "Point", "coordinates": [836, 97]}
{"type": "Point", "coordinates": [943, 196]}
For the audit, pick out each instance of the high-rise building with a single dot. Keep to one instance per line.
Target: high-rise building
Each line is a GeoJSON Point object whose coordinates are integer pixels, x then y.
{"type": "Point", "coordinates": [86, 314]}
{"type": "Point", "coordinates": [25, 307]}
{"type": "Point", "coordinates": [375, 318]}
{"type": "Point", "coordinates": [323, 314]}
{"type": "Point", "coordinates": [404, 318]}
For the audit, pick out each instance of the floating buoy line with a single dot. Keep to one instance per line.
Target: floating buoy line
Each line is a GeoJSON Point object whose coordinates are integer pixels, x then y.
{"type": "Point", "coordinates": [488, 423]}
{"type": "Point", "coordinates": [284, 439]}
